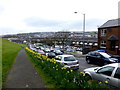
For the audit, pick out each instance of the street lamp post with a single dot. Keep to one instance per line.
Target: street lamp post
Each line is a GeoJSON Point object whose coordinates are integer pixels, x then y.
{"type": "Point", "coordinates": [83, 38]}
{"type": "Point", "coordinates": [83, 31]}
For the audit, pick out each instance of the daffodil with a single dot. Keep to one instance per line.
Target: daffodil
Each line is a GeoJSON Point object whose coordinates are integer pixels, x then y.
{"type": "Point", "coordinates": [82, 73]}
{"type": "Point", "coordinates": [67, 71]}
{"type": "Point", "coordinates": [106, 82]}
{"type": "Point", "coordinates": [100, 82]}
{"type": "Point", "coordinates": [71, 70]}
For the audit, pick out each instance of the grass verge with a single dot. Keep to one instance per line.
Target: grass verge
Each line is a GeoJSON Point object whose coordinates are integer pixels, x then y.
{"type": "Point", "coordinates": [0, 63]}
{"type": "Point", "coordinates": [9, 53]}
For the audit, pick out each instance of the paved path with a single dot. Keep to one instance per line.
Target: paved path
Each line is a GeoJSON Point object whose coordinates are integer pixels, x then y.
{"type": "Point", "coordinates": [23, 74]}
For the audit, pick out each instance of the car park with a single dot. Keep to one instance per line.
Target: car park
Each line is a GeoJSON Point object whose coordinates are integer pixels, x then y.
{"type": "Point", "coordinates": [100, 58]}
{"type": "Point", "coordinates": [68, 61]}
{"type": "Point", "coordinates": [109, 73]}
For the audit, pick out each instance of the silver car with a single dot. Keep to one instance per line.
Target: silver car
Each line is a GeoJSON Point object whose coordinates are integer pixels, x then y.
{"type": "Point", "coordinates": [109, 73]}
{"type": "Point", "coordinates": [68, 60]}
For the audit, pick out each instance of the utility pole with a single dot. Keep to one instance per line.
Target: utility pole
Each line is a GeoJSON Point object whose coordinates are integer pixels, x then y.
{"type": "Point", "coordinates": [83, 38]}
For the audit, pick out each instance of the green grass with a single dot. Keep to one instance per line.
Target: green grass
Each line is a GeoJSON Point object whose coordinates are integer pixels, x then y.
{"type": "Point", "coordinates": [0, 63]}
{"type": "Point", "coordinates": [9, 53]}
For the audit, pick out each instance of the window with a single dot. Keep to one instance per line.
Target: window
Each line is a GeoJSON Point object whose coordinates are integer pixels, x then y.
{"type": "Point", "coordinates": [98, 55]}
{"type": "Point", "coordinates": [91, 53]}
{"type": "Point", "coordinates": [117, 74]}
{"type": "Point", "coordinates": [103, 44]}
{"type": "Point", "coordinates": [106, 70]}
{"type": "Point", "coordinates": [58, 58]}
{"type": "Point", "coordinates": [71, 58]}
{"type": "Point", "coordinates": [103, 32]}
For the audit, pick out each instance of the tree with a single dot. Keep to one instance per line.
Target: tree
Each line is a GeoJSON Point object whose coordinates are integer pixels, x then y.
{"type": "Point", "coordinates": [62, 37]}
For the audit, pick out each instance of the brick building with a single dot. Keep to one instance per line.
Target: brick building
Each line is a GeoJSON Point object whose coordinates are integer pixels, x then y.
{"type": "Point", "coordinates": [109, 36]}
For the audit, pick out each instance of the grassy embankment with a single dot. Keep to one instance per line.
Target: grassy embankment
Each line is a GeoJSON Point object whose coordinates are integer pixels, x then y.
{"type": "Point", "coordinates": [9, 53]}
{"type": "Point", "coordinates": [0, 63]}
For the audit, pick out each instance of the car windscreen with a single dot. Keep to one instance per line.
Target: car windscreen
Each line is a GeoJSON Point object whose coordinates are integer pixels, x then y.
{"type": "Point", "coordinates": [105, 55]}
{"type": "Point", "coordinates": [71, 58]}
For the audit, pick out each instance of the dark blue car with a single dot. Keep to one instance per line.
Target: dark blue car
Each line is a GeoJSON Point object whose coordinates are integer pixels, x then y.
{"type": "Point", "coordinates": [100, 58]}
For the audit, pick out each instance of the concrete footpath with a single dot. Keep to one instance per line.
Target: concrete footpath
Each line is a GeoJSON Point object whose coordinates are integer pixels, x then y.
{"type": "Point", "coordinates": [23, 74]}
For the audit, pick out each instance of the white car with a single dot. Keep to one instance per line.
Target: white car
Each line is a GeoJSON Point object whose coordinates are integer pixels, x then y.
{"type": "Point", "coordinates": [110, 73]}
{"type": "Point", "coordinates": [68, 60]}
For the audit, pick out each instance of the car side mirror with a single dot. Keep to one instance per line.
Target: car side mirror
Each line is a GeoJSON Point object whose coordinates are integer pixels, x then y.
{"type": "Point", "coordinates": [96, 69]}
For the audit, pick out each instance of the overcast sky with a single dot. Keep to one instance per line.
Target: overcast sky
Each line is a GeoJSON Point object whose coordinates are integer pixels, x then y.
{"type": "Point", "coordinates": [22, 16]}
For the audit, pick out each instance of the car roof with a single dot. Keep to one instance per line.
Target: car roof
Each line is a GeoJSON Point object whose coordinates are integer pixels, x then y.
{"type": "Point", "coordinates": [97, 52]}
{"type": "Point", "coordinates": [114, 64]}
{"type": "Point", "coordinates": [65, 55]}
{"type": "Point", "coordinates": [101, 52]}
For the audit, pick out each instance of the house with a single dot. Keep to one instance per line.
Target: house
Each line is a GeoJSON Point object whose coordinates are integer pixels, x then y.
{"type": "Point", "coordinates": [109, 36]}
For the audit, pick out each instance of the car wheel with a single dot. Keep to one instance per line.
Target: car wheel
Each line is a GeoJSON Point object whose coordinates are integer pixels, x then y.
{"type": "Point", "coordinates": [88, 61]}
{"type": "Point", "coordinates": [88, 77]}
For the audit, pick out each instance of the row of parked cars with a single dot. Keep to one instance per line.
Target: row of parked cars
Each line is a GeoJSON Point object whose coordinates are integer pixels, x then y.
{"type": "Point", "coordinates": [67, 60]}
{"type": "Point", "coordinates": [109, 71]}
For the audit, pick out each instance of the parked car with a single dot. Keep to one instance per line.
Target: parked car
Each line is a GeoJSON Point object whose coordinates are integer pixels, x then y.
{"type": "Point", "coordinates": [101, 58]}
{"type": "Point", "coordinates": [110, 73]}
{"type": "Point", "coordinates": [34, 49]}
{"type": "Point", "coordinates": [68, 61]}
{"type": "Point", "coordinates": [50, 55]}
{"type": "Point", "coordinates": [58, 52]}
{"type": "Point", "coordinates": [41, 52]}
{"type": "Point", "coordinates": [46, 50]}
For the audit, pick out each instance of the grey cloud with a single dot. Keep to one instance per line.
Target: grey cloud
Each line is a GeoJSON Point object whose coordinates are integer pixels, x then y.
{"type": "Point", "coordinates": [39, 22]}
{"type": "Point", "coordinates": [59, 24]}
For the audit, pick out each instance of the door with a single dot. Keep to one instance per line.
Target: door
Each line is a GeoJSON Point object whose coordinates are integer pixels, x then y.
{"type": "Point", "coordinates": [115, 80]}
{"type": "Point", "coordinates": [112, 45]}
{"type": "Point", "coordinates": [104, 74]}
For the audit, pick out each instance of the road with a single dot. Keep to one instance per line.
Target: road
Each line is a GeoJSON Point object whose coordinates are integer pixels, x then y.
{"type": "Point", "coordinates": [83, 64]}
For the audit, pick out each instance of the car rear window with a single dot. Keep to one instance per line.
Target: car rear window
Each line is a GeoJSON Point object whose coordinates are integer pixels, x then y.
{"type": "Point", "coordinates": [69, 58]}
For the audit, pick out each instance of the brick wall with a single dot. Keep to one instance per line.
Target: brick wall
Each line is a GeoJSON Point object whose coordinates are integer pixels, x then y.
{"type": "Point", "coordinates": [110, 31]}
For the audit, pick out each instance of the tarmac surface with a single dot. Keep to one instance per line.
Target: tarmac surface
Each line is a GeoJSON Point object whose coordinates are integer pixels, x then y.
{"type": "Point", "coordinates": [23, 74]}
